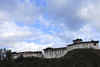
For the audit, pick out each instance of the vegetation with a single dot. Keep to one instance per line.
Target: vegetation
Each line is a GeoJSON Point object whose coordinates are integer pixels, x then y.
{"type": "Point", "coordinates": [75, 58]}
{"type": "Point", "coordinates": [8, 54]}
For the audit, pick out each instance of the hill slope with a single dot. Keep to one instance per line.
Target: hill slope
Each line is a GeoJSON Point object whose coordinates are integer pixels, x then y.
{"type": "Point", "coordinates": [81, 58]}
{"type": "Point", "coordinates": [75, 58]}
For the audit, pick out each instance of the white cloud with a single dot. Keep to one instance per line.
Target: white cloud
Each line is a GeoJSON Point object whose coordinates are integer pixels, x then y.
{"type": "Point", "coordinates": [74, 14]}
{"type": "Point", "coordinates": [43, 21]}
{"type": "Point", "coordinates": [68, 19]}
{"type": "Point", "coordinates": [22, 12]}
{"type": "Point", "coordinates": [31, 47]}
{"type": "Point", "coordinates": [85, 33]}
{"type": "Point", "coordinates": [14, 37]}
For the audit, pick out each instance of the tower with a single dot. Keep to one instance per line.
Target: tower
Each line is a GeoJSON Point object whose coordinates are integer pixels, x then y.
{"type": "Point", "coordinates": [77, 41]}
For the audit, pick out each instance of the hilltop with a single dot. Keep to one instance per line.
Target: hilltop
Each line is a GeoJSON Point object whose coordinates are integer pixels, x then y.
{"type": "Point", "coordinates": [74, 58]}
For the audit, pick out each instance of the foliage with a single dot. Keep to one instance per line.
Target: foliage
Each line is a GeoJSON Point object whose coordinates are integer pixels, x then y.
{"type": "Point", "coordinates": [75, 58]}
{"type": "Point", "coordinates": [19, 59]}
{"type": "Point", "coordinates": [8, 54]}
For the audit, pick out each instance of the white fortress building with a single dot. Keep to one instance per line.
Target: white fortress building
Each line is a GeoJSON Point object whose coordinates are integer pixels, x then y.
{"type": "Point", "coordinates": [77, 44]}
{"type": "Point", "coordinates": [27, 54]}
{"type": "Point", "coordinates": [54, 52]}
{"type": "Point", "coordinates": [59, 52]}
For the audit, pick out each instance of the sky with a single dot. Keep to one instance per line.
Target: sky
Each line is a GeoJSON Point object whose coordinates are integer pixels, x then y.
{"type": "Point", "coordinates": [33, 25]}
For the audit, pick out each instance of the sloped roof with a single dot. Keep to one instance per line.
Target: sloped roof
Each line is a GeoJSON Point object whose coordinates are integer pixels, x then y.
{"type": "Point", "coordinates": [84, 42]}
{"type": "Point", "coordinates": [77, 40]}
{"type": "Point", "coordinates": [49, 48]}
{"type": "Point", "coordinates": [26, 52]}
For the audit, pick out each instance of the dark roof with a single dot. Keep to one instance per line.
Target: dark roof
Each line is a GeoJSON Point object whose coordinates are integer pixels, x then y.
{"type": "Point", "coordinates": [26, 52]}
{"type": "Point", "coordinates": [84, 42]}
{"type": "Point", "coordinates": [13, 52]}
{"type": "Point", "coordinates": [49, 48]}
{"type": "Point", "coordinates": [77, 40]}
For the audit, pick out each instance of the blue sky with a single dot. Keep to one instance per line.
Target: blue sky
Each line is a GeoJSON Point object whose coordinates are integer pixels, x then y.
{"type": "Point", "coordinates": [32, 25]}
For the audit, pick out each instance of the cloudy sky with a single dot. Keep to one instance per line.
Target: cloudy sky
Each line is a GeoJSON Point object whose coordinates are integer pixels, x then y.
{"type": "Point", "coordinates": [32, 25]}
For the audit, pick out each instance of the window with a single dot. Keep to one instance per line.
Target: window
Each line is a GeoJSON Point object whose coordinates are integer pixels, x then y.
{"type": "Point", "coordinates": [84, 44]}
{"type": "Point", "coordinates": [50, 52]}
{"type": "Point", "coordinates": [55, 52]}
{"type": "Point", "coordinates": [94, 44]}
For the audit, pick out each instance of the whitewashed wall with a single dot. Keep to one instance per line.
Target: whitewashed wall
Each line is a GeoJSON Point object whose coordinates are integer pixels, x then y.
{"type": "Point", "coordinates": [55, 54]}
{"type": "Point", "coordinates": [27, 55]}
{"type": "Point", "coordinates": [83, 45]}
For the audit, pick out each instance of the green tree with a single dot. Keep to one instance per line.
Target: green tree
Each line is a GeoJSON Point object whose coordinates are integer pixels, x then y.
{"type": "Point", "coordinates": [8, 54]}
{"type": "Point", "coordinates": [20, 59]}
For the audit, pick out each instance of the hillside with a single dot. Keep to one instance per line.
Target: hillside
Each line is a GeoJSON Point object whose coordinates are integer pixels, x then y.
{"type": "Point", "coordinates": [75, 58]}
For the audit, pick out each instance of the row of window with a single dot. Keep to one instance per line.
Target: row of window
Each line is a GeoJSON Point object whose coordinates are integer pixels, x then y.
{"type": "Point", "coordinates": [78, 45]}
{"type": "Point", "coordinates": [56, 52]}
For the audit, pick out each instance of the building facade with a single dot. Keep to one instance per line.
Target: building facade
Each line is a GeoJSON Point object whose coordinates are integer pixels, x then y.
{"type": "Point", "coordinates": [54, 52]}
{"type": "Point", "coordinates": [27, 54]}
{"type": "Point", "coordinates": [78, 44]}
